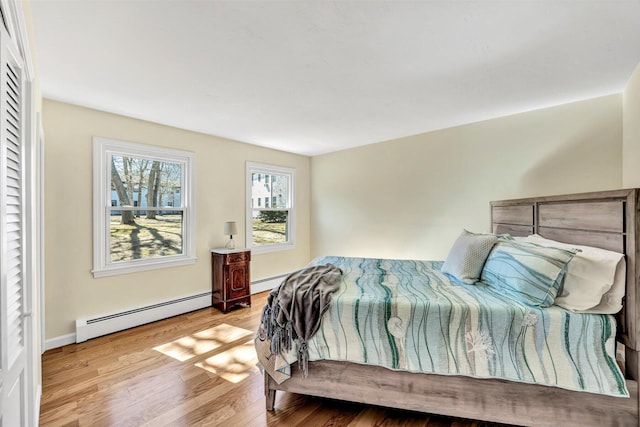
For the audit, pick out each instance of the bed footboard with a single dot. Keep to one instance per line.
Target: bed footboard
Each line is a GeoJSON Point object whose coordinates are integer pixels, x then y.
{"type": "Point", "coordinates": [485, 399]}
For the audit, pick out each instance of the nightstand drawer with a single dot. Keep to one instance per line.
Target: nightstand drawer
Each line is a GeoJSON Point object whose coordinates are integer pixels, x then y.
{"type": "Point", "coordinates": [238, 257]}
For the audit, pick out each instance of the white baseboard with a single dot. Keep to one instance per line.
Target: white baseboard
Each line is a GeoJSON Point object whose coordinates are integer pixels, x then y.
{"type": "Point", "coordinates": [59, 341]}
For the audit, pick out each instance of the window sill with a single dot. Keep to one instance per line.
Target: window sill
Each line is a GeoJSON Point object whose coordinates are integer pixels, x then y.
{"type": "Point", "coordinates": [272, 248]}
{"type": "Point", "coordinates": [144, 266]}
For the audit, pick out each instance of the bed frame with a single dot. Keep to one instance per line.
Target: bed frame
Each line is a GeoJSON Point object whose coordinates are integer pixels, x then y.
{"type": "Point", "coordinates": [609, 220]}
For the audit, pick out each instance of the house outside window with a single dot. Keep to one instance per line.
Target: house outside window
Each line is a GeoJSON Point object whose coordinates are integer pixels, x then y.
{"type": "Point", "coordinates": [144, 216]}
{"type": "Point", "coordinates": [270, 225]}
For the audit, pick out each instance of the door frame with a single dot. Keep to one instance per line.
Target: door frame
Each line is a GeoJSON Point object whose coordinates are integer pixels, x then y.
{"type": "Point", "coordinates": [33, 207]}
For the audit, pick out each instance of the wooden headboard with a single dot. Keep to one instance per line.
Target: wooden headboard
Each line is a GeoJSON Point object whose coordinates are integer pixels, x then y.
{"type": "Point", "coordinates": [605, 219]}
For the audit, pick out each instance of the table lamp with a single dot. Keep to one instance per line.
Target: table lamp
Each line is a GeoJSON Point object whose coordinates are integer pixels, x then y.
{"type": "Point", "coordinates": [230, 228]}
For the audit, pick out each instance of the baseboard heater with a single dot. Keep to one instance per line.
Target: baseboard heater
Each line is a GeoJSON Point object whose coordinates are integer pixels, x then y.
{"type": "Point", "coordinates": [267, 284]}
{"type": "Point", "coordinates": [107, 324]}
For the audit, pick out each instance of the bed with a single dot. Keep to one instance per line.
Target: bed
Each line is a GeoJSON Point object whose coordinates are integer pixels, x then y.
{"type": "Point", "coordinates": [607, 220]}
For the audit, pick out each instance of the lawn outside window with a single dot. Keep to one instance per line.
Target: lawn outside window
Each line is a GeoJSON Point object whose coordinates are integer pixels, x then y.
{"type": "Point", "coordinates": [143, 207]}
{"type": "Point", "coordinates": [270, 207]}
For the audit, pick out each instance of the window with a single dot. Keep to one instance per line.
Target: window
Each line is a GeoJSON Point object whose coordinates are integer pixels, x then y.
{"type": "Point", "coordinates": [270, 225]}
{"type": "Point", "coordinates": [143, 207]}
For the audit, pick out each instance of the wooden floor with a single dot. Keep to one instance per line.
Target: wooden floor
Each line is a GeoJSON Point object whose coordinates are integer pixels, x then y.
{"type": "Point", "coordinates": [198, 369]}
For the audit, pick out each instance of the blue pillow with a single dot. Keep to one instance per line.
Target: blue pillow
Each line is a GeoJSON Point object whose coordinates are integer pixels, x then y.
{"type": "Point", "coordinates": [527, 272]}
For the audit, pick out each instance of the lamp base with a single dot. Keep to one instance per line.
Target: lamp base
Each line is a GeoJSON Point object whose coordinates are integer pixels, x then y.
{"type": "Point", "coordinates": [230, 244]}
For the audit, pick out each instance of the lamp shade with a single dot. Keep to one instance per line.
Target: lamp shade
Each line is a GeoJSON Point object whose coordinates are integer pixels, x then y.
{"type": "Point", "coordinates": [230, 228]}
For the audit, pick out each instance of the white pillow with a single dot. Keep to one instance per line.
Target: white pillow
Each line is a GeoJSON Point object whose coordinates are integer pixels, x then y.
{"type": "Point", "coordinates": [467, 256]}
{"type": "Point", "coordinates": [595, 278]}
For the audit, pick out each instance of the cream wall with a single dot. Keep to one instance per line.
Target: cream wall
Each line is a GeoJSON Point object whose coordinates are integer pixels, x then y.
{"type": "Point", "coordinates": [410, 198]}
{"type": "Point", "coordinates": [631, 132]}
{"type": "Point", "coordinates": [72, 292]}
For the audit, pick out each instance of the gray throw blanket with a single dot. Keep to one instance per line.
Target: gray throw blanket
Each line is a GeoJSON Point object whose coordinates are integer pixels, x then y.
{"type": "Point", "coordinates": [294, 310]}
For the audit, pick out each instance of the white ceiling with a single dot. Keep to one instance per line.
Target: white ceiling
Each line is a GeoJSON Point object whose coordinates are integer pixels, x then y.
{"type": "Point", "coordinates": [312, 77]}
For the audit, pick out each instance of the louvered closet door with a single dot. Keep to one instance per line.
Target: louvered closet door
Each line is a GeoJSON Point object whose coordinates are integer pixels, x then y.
{"type": "Point", "coordinates": [12, 349]}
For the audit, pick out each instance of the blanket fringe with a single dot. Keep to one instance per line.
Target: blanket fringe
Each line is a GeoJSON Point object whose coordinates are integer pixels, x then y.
{"type": "Point", "coordinates": [303, 358]}
{"type": "Point", "coordinates": [275, 342]}
{"type": "Point", "coordinates": [266, 314]}
{"type": "Point", "coordinates": [288, 336]}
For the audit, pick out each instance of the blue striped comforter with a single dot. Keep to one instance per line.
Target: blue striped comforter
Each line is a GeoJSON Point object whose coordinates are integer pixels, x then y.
{"type": "Point", "coordinates": [408, 315]}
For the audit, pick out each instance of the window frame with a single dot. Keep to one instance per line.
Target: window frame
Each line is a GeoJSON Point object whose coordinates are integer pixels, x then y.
{"type": "Point", "coordinates": [267, 169]}
{"type": "Point", "coordinates": [103, 150]}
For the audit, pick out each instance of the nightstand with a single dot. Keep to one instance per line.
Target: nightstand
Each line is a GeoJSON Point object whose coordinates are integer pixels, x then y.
{"type": "Point", "coordinates": [231, 278]}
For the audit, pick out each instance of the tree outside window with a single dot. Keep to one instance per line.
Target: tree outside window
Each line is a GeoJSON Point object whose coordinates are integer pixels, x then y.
{"type": "Point", "coordinates": [143, 223]}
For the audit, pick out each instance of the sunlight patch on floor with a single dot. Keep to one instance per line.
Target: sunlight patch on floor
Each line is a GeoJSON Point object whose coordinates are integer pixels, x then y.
{"type": "Point", "coordinates": [233, 365]}
{"type": "Point", "coordinates": [202, 342]}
